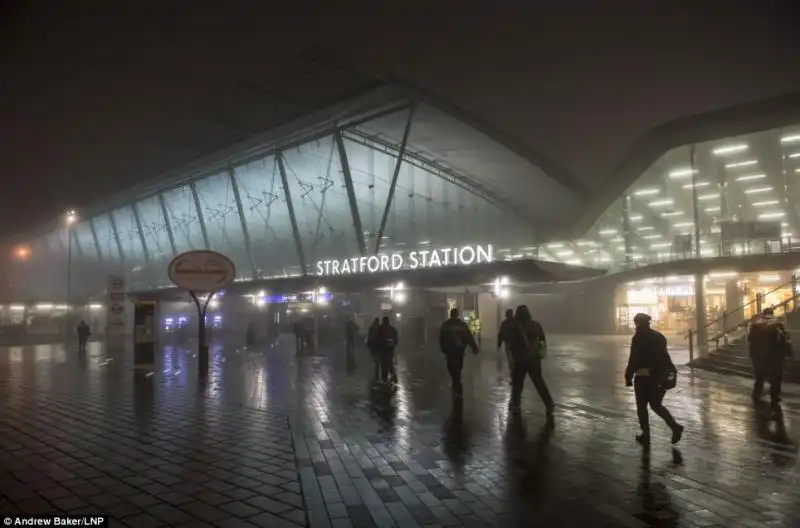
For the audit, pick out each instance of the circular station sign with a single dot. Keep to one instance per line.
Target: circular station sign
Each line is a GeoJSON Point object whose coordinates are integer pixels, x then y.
{"type": "Point", "coordinates": [201, 271]}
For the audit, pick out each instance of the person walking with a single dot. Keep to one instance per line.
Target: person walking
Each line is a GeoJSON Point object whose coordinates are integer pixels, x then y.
{"type": "Point", "coordinates": [769, 345]}
{"type": "Point", "coordinates": [506, 336]}
{"type": "Point", "coordinates": [350, 335]}
{"type": "Point", "coordinates": [386, 340]}
{"type": "Point", "coordinates": [651, 373]}
{"type": "Point", "coordinates": [372, 346]}
{"type": "Point", "coordinates": [528, 348]}
{"type": "Point", "coordinates": [299, 335]}
{"type": "Point", "coordinates": [454, 338]}
{"type": "Point", "coordinates": [83, 332]}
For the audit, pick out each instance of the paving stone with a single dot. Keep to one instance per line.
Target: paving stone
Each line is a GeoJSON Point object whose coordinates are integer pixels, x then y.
{"type": "Point", "coordinates": [249, 448]}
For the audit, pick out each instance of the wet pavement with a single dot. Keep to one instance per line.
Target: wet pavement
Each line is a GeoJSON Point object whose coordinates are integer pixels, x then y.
{"type": "Point", "coordinates": [273, 440]}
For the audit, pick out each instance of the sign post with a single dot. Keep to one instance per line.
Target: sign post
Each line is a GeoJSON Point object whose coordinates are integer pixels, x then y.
{"type": "Point", "coordinates": [201, 272]}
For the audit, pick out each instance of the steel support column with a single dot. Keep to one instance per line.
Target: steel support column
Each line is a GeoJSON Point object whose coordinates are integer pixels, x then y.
{"type": "Point", "coordinates": [295, 229]}
{"type": "Point", "coordinates": [247, 246]}
{"type": "Point", "coordinates": [78, 247]}
{"type": "Point", "coordinates": [142, 238]}
{"type": "Point", "coordinates": [393, 186]}
{"type": "Point", "coordinates": [200, 218]}
{"type": "Point", "coordinates": [96, 240]}
{"type": "Point", "coordinates": [165, 214]}
{"type": "Point", "coordinates": [116, 237]}
{"type": "Point", "coordinates": [351, 192]}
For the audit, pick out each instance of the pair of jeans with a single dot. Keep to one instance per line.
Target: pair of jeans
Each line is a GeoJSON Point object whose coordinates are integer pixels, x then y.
{"type": "Point", "coordinates": [531, 367]}
{"type": "Point", "coordinates": [455, 364]}
{"type": "Point", "coordinates": [649, 393]}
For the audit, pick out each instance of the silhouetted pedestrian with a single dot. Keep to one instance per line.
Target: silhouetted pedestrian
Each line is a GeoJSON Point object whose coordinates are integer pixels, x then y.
{"type": "Point", "coordinates": [350, 335]}
{"type": "Point", "coordinates": [506, 336]}
{"type": "Point", "coordinates": [386, 340]}
{"type": "Point", "coordinates": [651, 373]}
{"type": "Point", "coordinates": [769, 347]}
{"type": "Point", "coordinates": [372, 346]}
{"type": "Point", "coordinates": [454, 338]}
{"type": "Point", "coordinates": [83, 332]}
{"type": "Point", "coordinates": [528, 349]}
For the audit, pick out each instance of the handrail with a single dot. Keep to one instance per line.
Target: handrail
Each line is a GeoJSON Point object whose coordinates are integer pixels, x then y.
{"type": "Point", "coordinates": [748, 303]}
{"type": "Point", "coordinates": [743, 324]}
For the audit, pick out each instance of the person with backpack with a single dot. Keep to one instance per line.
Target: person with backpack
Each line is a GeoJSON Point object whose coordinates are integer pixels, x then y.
{"type": "Point", "coordinates": [651, 373]}
{"type": "Point", "coordinates": [454, 338]}
{"type": "Point", "coordinates": [769, 346]}
{"type": "Point", "coordinates": [385, 342]}
{"type": "Point", "coordinates": [528, 348]}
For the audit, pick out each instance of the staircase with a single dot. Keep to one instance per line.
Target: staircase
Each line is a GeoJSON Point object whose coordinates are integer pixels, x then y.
{"type": "Point", "coordinates": [728, 352]}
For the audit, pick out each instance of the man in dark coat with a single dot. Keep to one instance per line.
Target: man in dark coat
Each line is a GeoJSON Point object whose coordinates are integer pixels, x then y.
{"type": "Point", "coordinates": [648, 366]}
{"type": "Point", "coordinates": [769, 347]}
{"type": "Point", "coordinates": [454, 338]}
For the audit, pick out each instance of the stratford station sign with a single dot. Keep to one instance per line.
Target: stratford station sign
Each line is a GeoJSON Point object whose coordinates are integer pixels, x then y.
{"type": "Point", "coordinates": [419, 259]}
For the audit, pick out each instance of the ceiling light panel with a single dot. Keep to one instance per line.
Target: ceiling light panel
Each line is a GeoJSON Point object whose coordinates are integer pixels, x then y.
{"type": "Point", "coordinates": [729, 149]}
{"type": "Point", "coordinates": [750, 177]}
{"type": "Point", "coordinates": [681, 173]}
{"type": "Point", "coordinates": [698, 184]}
{"type": "Point", "coordinates": [758, 190]}
{"type": "Point", "coordinates": [746, 163]}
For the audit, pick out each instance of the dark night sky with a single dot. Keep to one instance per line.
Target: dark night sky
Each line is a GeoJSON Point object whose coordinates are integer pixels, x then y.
{"type": "Point", "coordinates": [96, 96]}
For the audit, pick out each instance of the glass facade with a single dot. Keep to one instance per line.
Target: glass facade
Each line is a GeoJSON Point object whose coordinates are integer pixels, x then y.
{"type": "Point", "coordinates": [735, 196]}
{"type": "Point", "coordinates": [244, 213]}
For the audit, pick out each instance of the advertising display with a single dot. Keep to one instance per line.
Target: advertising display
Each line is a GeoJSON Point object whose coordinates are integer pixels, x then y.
{"type": "Point", "coordinates": [418, 259]}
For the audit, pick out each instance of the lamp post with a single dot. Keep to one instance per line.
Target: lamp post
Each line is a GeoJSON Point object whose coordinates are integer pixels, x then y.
{"type": "Point", "coordinates": [70, 219]}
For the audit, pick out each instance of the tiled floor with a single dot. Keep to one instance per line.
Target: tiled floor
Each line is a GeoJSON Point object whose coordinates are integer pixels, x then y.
{"type": "Point", "coordinates": [272, 440]}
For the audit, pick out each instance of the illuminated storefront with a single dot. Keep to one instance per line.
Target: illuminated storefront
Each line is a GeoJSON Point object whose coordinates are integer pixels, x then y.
{"type": "Point", "coordinates": [670, 301]}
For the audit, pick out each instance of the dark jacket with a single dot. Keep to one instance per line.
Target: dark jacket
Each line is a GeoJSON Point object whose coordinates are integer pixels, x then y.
{"type": "Point", "coordinates": [372, 334]}
{"type": "Point", "coordinates": [649, 351]}
{"type": "Point", "coordinates": [83, 331]}
{"type": "Point", "coordinates": [386, 337]}
{"type": "Point", "coordinates": [506, 334]}
{"type": "Point", "coordinates": [350, 330]}
{"type": "Point", "coordinates": [455, 337]}
{"type": "Point", "coordinates": [768, 340]}
{"type": "Point", "coordinates": [523, 336]}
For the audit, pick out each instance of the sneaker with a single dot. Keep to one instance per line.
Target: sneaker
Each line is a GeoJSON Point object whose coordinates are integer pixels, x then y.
{"type": "Point", "coordinates": [677, 434]}
{"type": "Point", "coordinates": [643, 439]}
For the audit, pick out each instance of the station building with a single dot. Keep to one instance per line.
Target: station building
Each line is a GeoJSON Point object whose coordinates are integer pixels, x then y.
{"type": "Point", "coordinates": [386, 201]}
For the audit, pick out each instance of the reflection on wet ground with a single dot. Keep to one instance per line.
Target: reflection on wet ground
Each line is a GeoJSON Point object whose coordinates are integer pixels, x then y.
{"type": "Point", "coordinates": [272, 439]}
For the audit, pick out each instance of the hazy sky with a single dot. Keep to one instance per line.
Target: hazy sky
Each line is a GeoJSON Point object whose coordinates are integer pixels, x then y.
{"type": "Point", "coordinates": [97, 96]}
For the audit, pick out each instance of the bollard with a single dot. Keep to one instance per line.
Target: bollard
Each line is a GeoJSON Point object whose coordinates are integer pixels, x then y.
{"type": "Point", "coordinates": [691, 347]}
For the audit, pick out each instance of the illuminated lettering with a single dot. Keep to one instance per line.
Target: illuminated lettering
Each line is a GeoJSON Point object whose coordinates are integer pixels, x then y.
{"type": "Point", "coordinates": [424, 258]}
{"type": "Point", "coordinates": [485, 254]}
{"type": "Point", "coordinates": [466, 255]}
{"type": "Point", "coordinates": [373, 263]}
{"type": "Point", "coordinates": [446, 253]}
{"type": "Point", "coordinates": [397, 261]}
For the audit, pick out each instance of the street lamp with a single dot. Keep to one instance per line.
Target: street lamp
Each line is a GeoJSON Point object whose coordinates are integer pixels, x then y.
{"type": "Point", "coordinates": [70, 218]}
